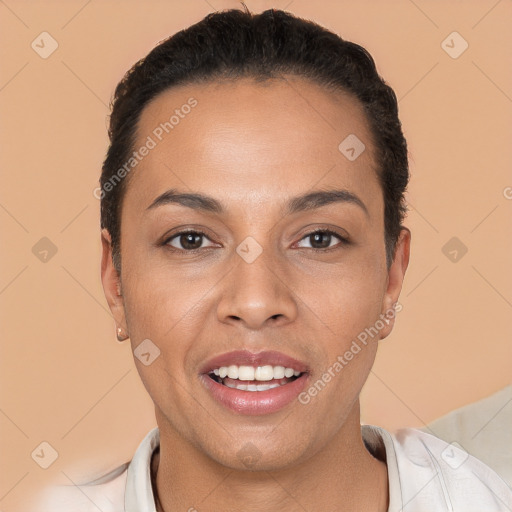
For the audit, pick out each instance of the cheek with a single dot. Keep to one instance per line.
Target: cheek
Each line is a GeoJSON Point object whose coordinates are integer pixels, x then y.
{"type": "Point", "coordinates": [170, 310]}
{"type": "Point", "coordinates": [349, 307]}
{"type": "Point", "coordinates": [164, 309]}
{"type": "Point", "coordinates": [344, 299]}
{"type": "Point", "coordinates": [161, 300]}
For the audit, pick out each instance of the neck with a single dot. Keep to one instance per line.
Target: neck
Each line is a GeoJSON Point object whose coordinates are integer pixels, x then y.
{"type": "Point", "coordinates": [341, 476]}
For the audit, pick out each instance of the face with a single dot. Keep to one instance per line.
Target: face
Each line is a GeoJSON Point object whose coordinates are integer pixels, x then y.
{"type": "Point", "coordinates": [249, 240]}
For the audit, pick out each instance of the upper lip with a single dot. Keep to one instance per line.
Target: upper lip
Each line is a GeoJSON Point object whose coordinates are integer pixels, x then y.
{"type": "Point", "coordinates": [247, 358]}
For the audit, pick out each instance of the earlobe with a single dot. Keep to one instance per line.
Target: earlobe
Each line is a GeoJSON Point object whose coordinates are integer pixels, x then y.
{"type": "Point", "coordinates": [112, 286]}
{"type": "Point", "coordinates": [396, 274]}
{"type": "Point", "coordinates": [121, 336]}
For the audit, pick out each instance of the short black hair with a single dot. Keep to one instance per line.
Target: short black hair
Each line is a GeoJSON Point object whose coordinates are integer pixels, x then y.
{"type": "Point", "coordinates": [233, 44]}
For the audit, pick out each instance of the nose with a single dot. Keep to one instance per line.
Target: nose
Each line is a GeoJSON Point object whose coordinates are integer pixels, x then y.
{"type": "Point", "coordinates": [256, 295]}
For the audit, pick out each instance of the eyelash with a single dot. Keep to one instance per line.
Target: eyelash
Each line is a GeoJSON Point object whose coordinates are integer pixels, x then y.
{"type": "Point", "coordinates": [343, 240]}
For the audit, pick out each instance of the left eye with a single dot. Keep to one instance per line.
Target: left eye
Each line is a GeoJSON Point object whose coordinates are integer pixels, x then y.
{"type": "Point", "coordinates": [188, 240]}
{"type": "Point", "coordinates": [322, 239]}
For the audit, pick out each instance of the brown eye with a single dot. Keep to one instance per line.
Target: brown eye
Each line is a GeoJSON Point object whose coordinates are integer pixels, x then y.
{"type": "Point", "coordinates": [323, 239]}
{"type": "Point", "coordinates": [320, 240]}
{"type": "Point", "coordinates": [187, 241]}
{"type": "Point", "coordinates": [191, 241]}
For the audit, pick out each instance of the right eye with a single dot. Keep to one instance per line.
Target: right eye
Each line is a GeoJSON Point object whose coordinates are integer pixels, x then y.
{"type": "Point", "coordinates": [187, 241]}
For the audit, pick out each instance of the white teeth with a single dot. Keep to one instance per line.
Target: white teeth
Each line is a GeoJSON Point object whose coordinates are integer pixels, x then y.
{"type": "Point", "coordinates": [246, 373]}
{"type": "Point", "coordinates": [252, 387]}
{"type": "Point", "coordinates": [262, 373]}
{"type": "Point", "coordinates": [288, 372]}
{"type": "Point", "coordinates": [278, 372]}
{"type": "Point", "coordinates": [233, 372]}
{"type": "Point", "coordinates": [235, 385]}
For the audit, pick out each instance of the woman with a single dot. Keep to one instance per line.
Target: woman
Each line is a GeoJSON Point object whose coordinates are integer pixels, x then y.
{"type": "Point", "coordinates": [252, 201]}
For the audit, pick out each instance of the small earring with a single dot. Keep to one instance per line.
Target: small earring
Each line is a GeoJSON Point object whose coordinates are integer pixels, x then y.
{"type": "Point", "coordinates": [120, 335]}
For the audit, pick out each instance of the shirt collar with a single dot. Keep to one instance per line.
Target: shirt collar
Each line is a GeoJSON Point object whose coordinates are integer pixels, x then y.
{"type": "Point", "coordinates": [139, 493]}
{"type": "Point", "coordinates": [379, 443]}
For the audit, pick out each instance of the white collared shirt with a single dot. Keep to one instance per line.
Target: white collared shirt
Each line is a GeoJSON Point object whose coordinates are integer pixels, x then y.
{"type": "Point", "coordinates": [425, 474]}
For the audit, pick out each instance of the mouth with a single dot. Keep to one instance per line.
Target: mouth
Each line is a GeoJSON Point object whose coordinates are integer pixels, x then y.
{"type": "Point", "coordinates": [254, 384]}
{"type": "Point", "coordinates": [254, 379]}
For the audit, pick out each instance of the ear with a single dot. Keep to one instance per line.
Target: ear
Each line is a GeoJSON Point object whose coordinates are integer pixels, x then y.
{"type": "Point", "coordinates": [396, 274]}
{"type": "Point", "coordinates": [112, 282]}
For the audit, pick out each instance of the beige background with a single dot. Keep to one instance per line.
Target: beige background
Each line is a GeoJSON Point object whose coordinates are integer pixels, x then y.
{"type": "Point", "coordinates": [65, 379]}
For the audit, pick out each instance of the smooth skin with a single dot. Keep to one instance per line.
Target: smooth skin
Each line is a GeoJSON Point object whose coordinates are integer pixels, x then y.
{"type": "Point", "coordinates": [253, 147]}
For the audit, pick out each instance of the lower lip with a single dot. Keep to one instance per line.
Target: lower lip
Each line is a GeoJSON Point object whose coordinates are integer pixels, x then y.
{"type": "Point", "coordinates": [255, 402]}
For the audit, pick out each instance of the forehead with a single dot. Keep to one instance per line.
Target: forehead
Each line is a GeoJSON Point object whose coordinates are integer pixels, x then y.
{"type": "Point", "coordinates": [251, 141]}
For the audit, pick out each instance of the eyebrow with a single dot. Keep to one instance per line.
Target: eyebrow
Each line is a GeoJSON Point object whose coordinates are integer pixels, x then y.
{"type": "Point", "coordinates": [309, 201]}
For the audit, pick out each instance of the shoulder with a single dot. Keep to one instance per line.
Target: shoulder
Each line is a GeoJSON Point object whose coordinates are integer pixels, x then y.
{"type": "Point", "coordinates": [431, 469]}
{"type": "Point", "coordinates": [105, 494]}
{"type": "Point", "coordinates": [483, 428]}
{"type": "Point", "coordinates": [128, 484]}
